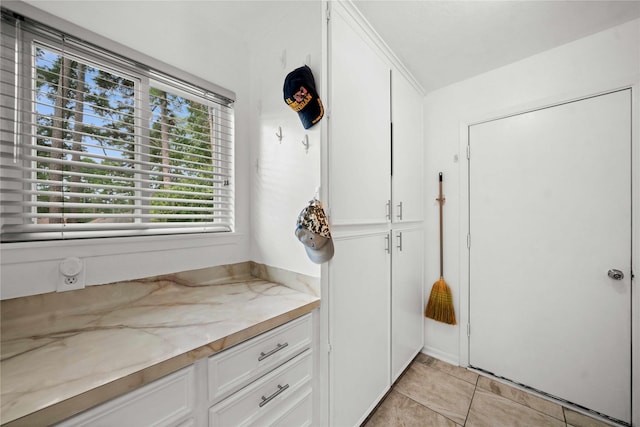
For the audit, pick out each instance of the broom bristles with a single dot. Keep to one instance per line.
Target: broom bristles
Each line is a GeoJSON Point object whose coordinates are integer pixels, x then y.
{"type": "Point", "coordinates": [440, 305]}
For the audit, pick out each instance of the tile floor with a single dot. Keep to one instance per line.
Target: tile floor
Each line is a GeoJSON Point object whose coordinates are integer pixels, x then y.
{"type": "Point", "coordinates": [435, 393]}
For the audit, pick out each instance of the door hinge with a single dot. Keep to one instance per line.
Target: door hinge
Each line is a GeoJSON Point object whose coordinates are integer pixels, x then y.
{"type": "Point", "coordinates": [468, 152]}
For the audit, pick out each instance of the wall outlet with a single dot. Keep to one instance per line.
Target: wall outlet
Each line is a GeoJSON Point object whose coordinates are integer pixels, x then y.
{"type": "Point", "coordinates": [71, 275]}
{"type": "Point", "coordinates": [70, 280]}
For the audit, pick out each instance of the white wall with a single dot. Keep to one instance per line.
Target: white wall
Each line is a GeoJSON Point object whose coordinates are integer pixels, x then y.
{"type": "Point", "coordinates": [247, 47]}
{"type": "Point", "coordinates": [180, 35]}
{"type": "Point", "coordinates": [283, 175]}
{"type": "Point", "coordinates": [603, 61]}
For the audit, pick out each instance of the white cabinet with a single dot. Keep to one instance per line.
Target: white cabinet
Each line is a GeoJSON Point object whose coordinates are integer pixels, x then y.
{"type": "Point", "coordinates": [233, 369]}
{"type": "Point", "coordinates": [376, 322]}
{"type": "Point", "coordinates": [375, 132]}
{"type": "Point", "coordinates": [285, 393]}
{"type": "Point", "coordinates": [407, 298]}
{"type": "Point", "coordinates": [407, 176]}
{"type": "Point", "coordinates": [359, 127]}
{"type": "Point", "coordinates": [375, 191]}
{"type": "Point", "coordinates": [168, 401]}
{"type": "Point", "coordinates": [265, 381]}
{"type": "Point", "coordinates": [359, 329]}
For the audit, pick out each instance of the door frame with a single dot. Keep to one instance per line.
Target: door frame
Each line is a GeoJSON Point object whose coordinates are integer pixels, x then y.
{"type": "Point", "coordinates": [635, 228]}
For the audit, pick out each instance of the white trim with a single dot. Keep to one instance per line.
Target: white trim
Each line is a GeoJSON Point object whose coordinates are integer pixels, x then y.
{"type": "Point", "coordinates": [635, 254]}
{"type": "Point", "coordinates": [441, 355]}
{"type": "Point", "coordinates": [26, 252]}
{"type": "Point", "coordinates": [374, 38]}
{"type": "Point", "coordinates": [324, 345]}
{"type": "Point", "coordinates": [463, 215]}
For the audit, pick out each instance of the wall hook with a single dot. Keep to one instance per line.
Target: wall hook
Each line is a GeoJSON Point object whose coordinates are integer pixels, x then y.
{"type": "Point", "coordinates": [279, 134]}
{"type": "Point", "coordinates": [305, 142]}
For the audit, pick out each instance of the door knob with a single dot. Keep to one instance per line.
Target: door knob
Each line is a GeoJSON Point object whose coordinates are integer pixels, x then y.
{"type": "Point", "coordinates": [615, 274]}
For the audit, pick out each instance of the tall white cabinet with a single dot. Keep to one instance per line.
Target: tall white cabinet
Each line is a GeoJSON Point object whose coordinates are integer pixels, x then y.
{"type": "Point", "coordinates": [359, 307]}
{"type": "Point", "coordinates": [407, 151]}
{"type": "Point", "coordinates": [407, 296]}
{"type": "Point", "coordinates": [373, 287]}
{"type": "Point", "coordinates": [359, 126]}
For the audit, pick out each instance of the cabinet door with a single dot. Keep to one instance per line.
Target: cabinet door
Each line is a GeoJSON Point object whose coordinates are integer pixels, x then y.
{"type": "Point", "coordinates": [407, 299]}
{"type": "Point", "coordinates": [408, 148]}
{"type": "Point", "coordinates": [359, 329]}
{"type": "Point", "coordinates": [360, 130]}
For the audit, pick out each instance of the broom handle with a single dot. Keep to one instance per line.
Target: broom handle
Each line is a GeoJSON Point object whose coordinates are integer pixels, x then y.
{"type": "Point", "coordinates": [441, 202]}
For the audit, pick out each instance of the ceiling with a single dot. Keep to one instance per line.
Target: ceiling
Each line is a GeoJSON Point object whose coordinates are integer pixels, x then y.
{"type": "Point", "coordinates": [440, 41]}
{"type": "Point", "coordinates": [443, 42]}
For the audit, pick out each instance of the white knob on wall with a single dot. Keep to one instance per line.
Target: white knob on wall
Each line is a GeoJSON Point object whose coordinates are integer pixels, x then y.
{"type": "Point", "coordinates": [71, 266]}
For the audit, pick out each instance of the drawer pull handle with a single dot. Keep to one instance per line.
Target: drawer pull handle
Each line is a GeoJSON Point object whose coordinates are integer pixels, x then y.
{"type": "Point", "coordinates": [264, 355]}
{"type": "Point", "coordinates": [280, 389]}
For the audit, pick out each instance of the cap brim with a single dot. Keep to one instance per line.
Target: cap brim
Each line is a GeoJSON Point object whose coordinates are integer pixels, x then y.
{"type": "Point", "coordinates": [324, 254]}
{"type": "Point", "coordinates": [312, 112]}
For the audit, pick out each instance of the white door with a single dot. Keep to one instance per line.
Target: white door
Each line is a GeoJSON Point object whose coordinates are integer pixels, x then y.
{"type": "Point", "coordinates": [359, 329]}
{"type": "Point", "coordinates": [407, 300]}
{"type": "Point", "coordinates": [550, 215]}
{"type": "Point", "coordinates": [359, 126]}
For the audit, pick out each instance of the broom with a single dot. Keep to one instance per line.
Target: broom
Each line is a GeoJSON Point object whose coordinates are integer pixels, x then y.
{"type": "Point", "coordinates": [440, 304]}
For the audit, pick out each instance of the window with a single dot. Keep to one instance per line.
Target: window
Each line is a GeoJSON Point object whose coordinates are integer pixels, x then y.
{"type": "Point", "coordinates": [97, 145]}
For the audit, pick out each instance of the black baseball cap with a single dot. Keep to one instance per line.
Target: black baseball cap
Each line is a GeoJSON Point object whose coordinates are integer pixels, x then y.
{"type": "Point", "coordinates": [301, 95]}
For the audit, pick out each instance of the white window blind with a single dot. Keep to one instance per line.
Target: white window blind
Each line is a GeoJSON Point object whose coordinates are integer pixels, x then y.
{"type": "Point", "coordinates": [95, 145]}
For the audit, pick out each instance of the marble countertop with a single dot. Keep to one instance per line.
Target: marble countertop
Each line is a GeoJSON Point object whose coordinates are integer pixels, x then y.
{"type": "Point", "coordinates": [63, 353]}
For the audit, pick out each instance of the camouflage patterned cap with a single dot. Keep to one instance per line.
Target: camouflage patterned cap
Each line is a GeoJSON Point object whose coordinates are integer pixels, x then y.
{"type": "Point", "coordinates": [312, 230]}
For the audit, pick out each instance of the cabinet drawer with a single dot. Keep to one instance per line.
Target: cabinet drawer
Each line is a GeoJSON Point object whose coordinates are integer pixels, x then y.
{"type": "Point", "coordinates": [236, 367]}
{"type": "Point", "coordinates": [299, 414]}
{"type": "Point", "coordinates": [272, 398]}
{"type": "Point", "coordinates": [164, 402]}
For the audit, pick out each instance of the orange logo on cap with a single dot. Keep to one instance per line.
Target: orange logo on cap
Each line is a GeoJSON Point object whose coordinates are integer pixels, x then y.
{"type": "Point", "coordinates": [302, 98]}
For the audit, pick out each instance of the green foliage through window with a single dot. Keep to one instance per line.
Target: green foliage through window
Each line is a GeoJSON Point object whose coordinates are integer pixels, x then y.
{"type": "Point", "coordinates": [104, 150]}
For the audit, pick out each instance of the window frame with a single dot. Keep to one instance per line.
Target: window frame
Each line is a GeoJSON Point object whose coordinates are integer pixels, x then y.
{"type": "Point", "coordinates": [124, 66]}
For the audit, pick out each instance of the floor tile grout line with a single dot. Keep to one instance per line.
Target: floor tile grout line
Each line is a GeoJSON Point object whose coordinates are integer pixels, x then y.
{"type": "Point", "coordinates": [427, 407]}
{"type": "Point", "coordinates": [449, 374]}
{"type": "Point", "coordinates": [563, 420]}
{"type": "Point", "coordinates": [475, 387]}
{"type": "Point", "coordinates": [525, 392]}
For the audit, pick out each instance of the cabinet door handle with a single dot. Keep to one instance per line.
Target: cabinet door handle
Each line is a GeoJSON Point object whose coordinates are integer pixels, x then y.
{"type": "Point", "coordinates": [388, 216]}
{"type": "Point", "coordinates": [266, 400]}
{"type": "Point", "coordinates": [399, 236]}
{"type": "Point", "coordinates": [400, 211]}
{"type": "Point", "coordinates": [279, 347]}
{"type": "Point", "coordinates": [387, 243]}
